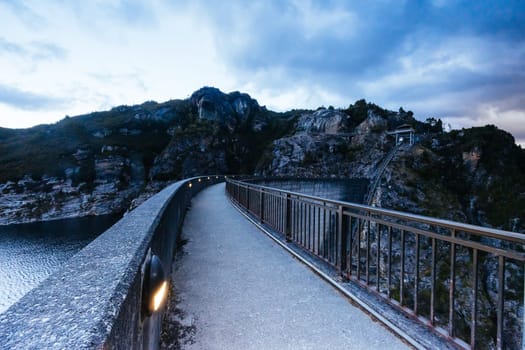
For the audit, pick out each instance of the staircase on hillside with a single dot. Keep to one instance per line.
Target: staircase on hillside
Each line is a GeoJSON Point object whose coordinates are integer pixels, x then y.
{"type": "Point", "coordinates": [370, 195]}
{"type": "Point", "coordinates": [379, 173]}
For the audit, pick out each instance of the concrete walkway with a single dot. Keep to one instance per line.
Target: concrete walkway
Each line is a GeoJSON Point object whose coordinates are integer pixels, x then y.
{"type": "Point", "coordinates": [237, 289]}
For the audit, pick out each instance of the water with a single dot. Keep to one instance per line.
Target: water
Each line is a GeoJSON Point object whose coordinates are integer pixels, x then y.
{"type": "Point", "coordinates": [31, 252]}
{"type": "Point", "coordinates": [348, 190]}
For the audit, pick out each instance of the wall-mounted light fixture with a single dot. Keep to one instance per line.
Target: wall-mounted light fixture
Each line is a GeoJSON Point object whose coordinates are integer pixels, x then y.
{"type": "Point", "coordinates": [154, 286]}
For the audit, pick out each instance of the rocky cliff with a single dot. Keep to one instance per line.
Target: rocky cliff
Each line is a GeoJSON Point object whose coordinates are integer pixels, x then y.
{"type": "Point", "coordinates": [105, 162]}
{"type": "Point", "coordinates": [463, 175]}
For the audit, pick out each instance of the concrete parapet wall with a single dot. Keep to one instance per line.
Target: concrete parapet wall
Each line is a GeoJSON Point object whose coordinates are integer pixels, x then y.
{"type": "Point", "coordinates": [94, 300]}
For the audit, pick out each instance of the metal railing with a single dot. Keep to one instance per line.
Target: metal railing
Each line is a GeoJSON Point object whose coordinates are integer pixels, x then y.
{"type": "Point", "coordinates": [466, 282]}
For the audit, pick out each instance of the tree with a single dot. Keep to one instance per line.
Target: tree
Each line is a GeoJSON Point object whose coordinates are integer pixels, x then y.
{"type": "Point", "coordinates": [434, 125]}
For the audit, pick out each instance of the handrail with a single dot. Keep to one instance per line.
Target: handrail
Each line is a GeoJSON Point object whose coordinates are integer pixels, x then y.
{"type": "Point", "coordinates": [426, 267]}
{"type": "Point", "coordinates": [488, 231]}
{"type": "Point", "coordinates": [94, 300]}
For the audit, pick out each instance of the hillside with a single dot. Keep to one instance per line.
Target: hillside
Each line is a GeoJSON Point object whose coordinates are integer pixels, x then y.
{"type": "Point", "coordinates": [101, 162]}
{"type": "Point", "coordinates": [473, 175]}
{"type": "Point", "coordinates": [105, 162]}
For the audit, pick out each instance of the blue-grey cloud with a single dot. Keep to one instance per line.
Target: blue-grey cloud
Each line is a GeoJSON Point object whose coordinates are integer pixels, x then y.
{"type": "Point", "coordinates": [120, 79]}
{"type": "Point", "coordinates": [35, 50]}
{"type": "Point", "coordinates": [47, 51]}
{"type": "Point", "coordinates": [473, 49]}
{"type": "Point", "coordinates": [121, 14]}
{"type": "Point", "coordinates": [28, 16]}
{"type": "Point", "coordinates": [132, 12]}
{"type": "Point", "coordinates": [11, 47]}
{"type": "Point", "coordinates": [26, 100]}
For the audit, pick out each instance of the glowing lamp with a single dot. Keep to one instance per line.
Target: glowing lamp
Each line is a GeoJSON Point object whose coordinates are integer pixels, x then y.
{"type": "Point", "coordinates": [160, 296]}
{"type": "Point", "coordinates": [154, 287]}
{"type": "Point", "coordinates": [189, 185]}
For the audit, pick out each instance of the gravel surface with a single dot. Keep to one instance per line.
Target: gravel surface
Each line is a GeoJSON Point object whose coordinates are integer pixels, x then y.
{"type": "Point", "coordinates": [234, 288]}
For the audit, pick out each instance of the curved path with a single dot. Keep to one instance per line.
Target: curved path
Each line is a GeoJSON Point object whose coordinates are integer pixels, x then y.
{"type": "Point", "coordinates": [237, 289]}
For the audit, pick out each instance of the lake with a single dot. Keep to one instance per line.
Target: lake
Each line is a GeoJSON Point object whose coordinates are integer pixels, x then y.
{"type": "Point", "coordinates": [31, 252]}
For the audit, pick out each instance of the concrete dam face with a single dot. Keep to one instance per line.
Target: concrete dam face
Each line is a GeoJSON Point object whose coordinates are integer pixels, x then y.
{"type": "Point", "coordinates": [347, 190]}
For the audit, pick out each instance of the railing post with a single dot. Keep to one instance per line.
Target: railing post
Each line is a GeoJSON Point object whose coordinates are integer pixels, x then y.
{"type": "Point", "coordinates": [342, 236]}
{"type": "Point", "coordinates": [501, 303]}
{"type": "Point", "coordinates": [247, 198]}
{"type": "Point", "coordinates": [452, 287]}
{"type": "Point", "coordinates": [287, 218]}
{"type": "Point", "coordinates": [261, 204]}
{"type": "Point", "coordinates": [433, 282]}
{"type": "Point", "coordinates": [523, 327]}
{"type": "Point", "coordinates": [474, 322]}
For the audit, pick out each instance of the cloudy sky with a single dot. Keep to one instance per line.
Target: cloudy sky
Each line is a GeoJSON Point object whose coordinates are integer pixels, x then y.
{"type": "Point", "coordinates": [462, 61]}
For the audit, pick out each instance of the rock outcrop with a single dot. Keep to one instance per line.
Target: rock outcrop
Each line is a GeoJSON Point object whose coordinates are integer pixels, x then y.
{"type": "Point", "coordinates": [104, 162]}
{"type": "Point", "coordinates": [325, 145]}
{"type": "Point", "coordinates": [107, 162]}
{"type": "Point", "coordinates": [116, 182]}
{"type": "Point", "coordinates": [230, 110]}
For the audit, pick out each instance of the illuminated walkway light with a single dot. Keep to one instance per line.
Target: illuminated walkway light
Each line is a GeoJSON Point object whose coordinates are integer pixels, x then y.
{"type": "Point", "coordinates": [154, 287]}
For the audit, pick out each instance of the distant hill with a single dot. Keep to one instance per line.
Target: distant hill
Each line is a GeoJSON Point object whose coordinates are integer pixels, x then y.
{"type": "Point", "coordinates": [101, 162]}
{"type": "Point", "coordinates": [107, 161]}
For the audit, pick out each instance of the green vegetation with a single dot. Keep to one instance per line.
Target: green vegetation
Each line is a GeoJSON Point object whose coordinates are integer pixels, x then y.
{"type": "Point", "coordinates": [252, 144]}
{"type": "Point", "coordinates": [51, 149]}
{"type": "Point", "coordinates": [482, 167]}
{"type": "Point", "coordinates": [358, 112]}
{"type": "Point", "coordinates": [244, 144]}
{"type": "Point", "coordinates": [71, 146]}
